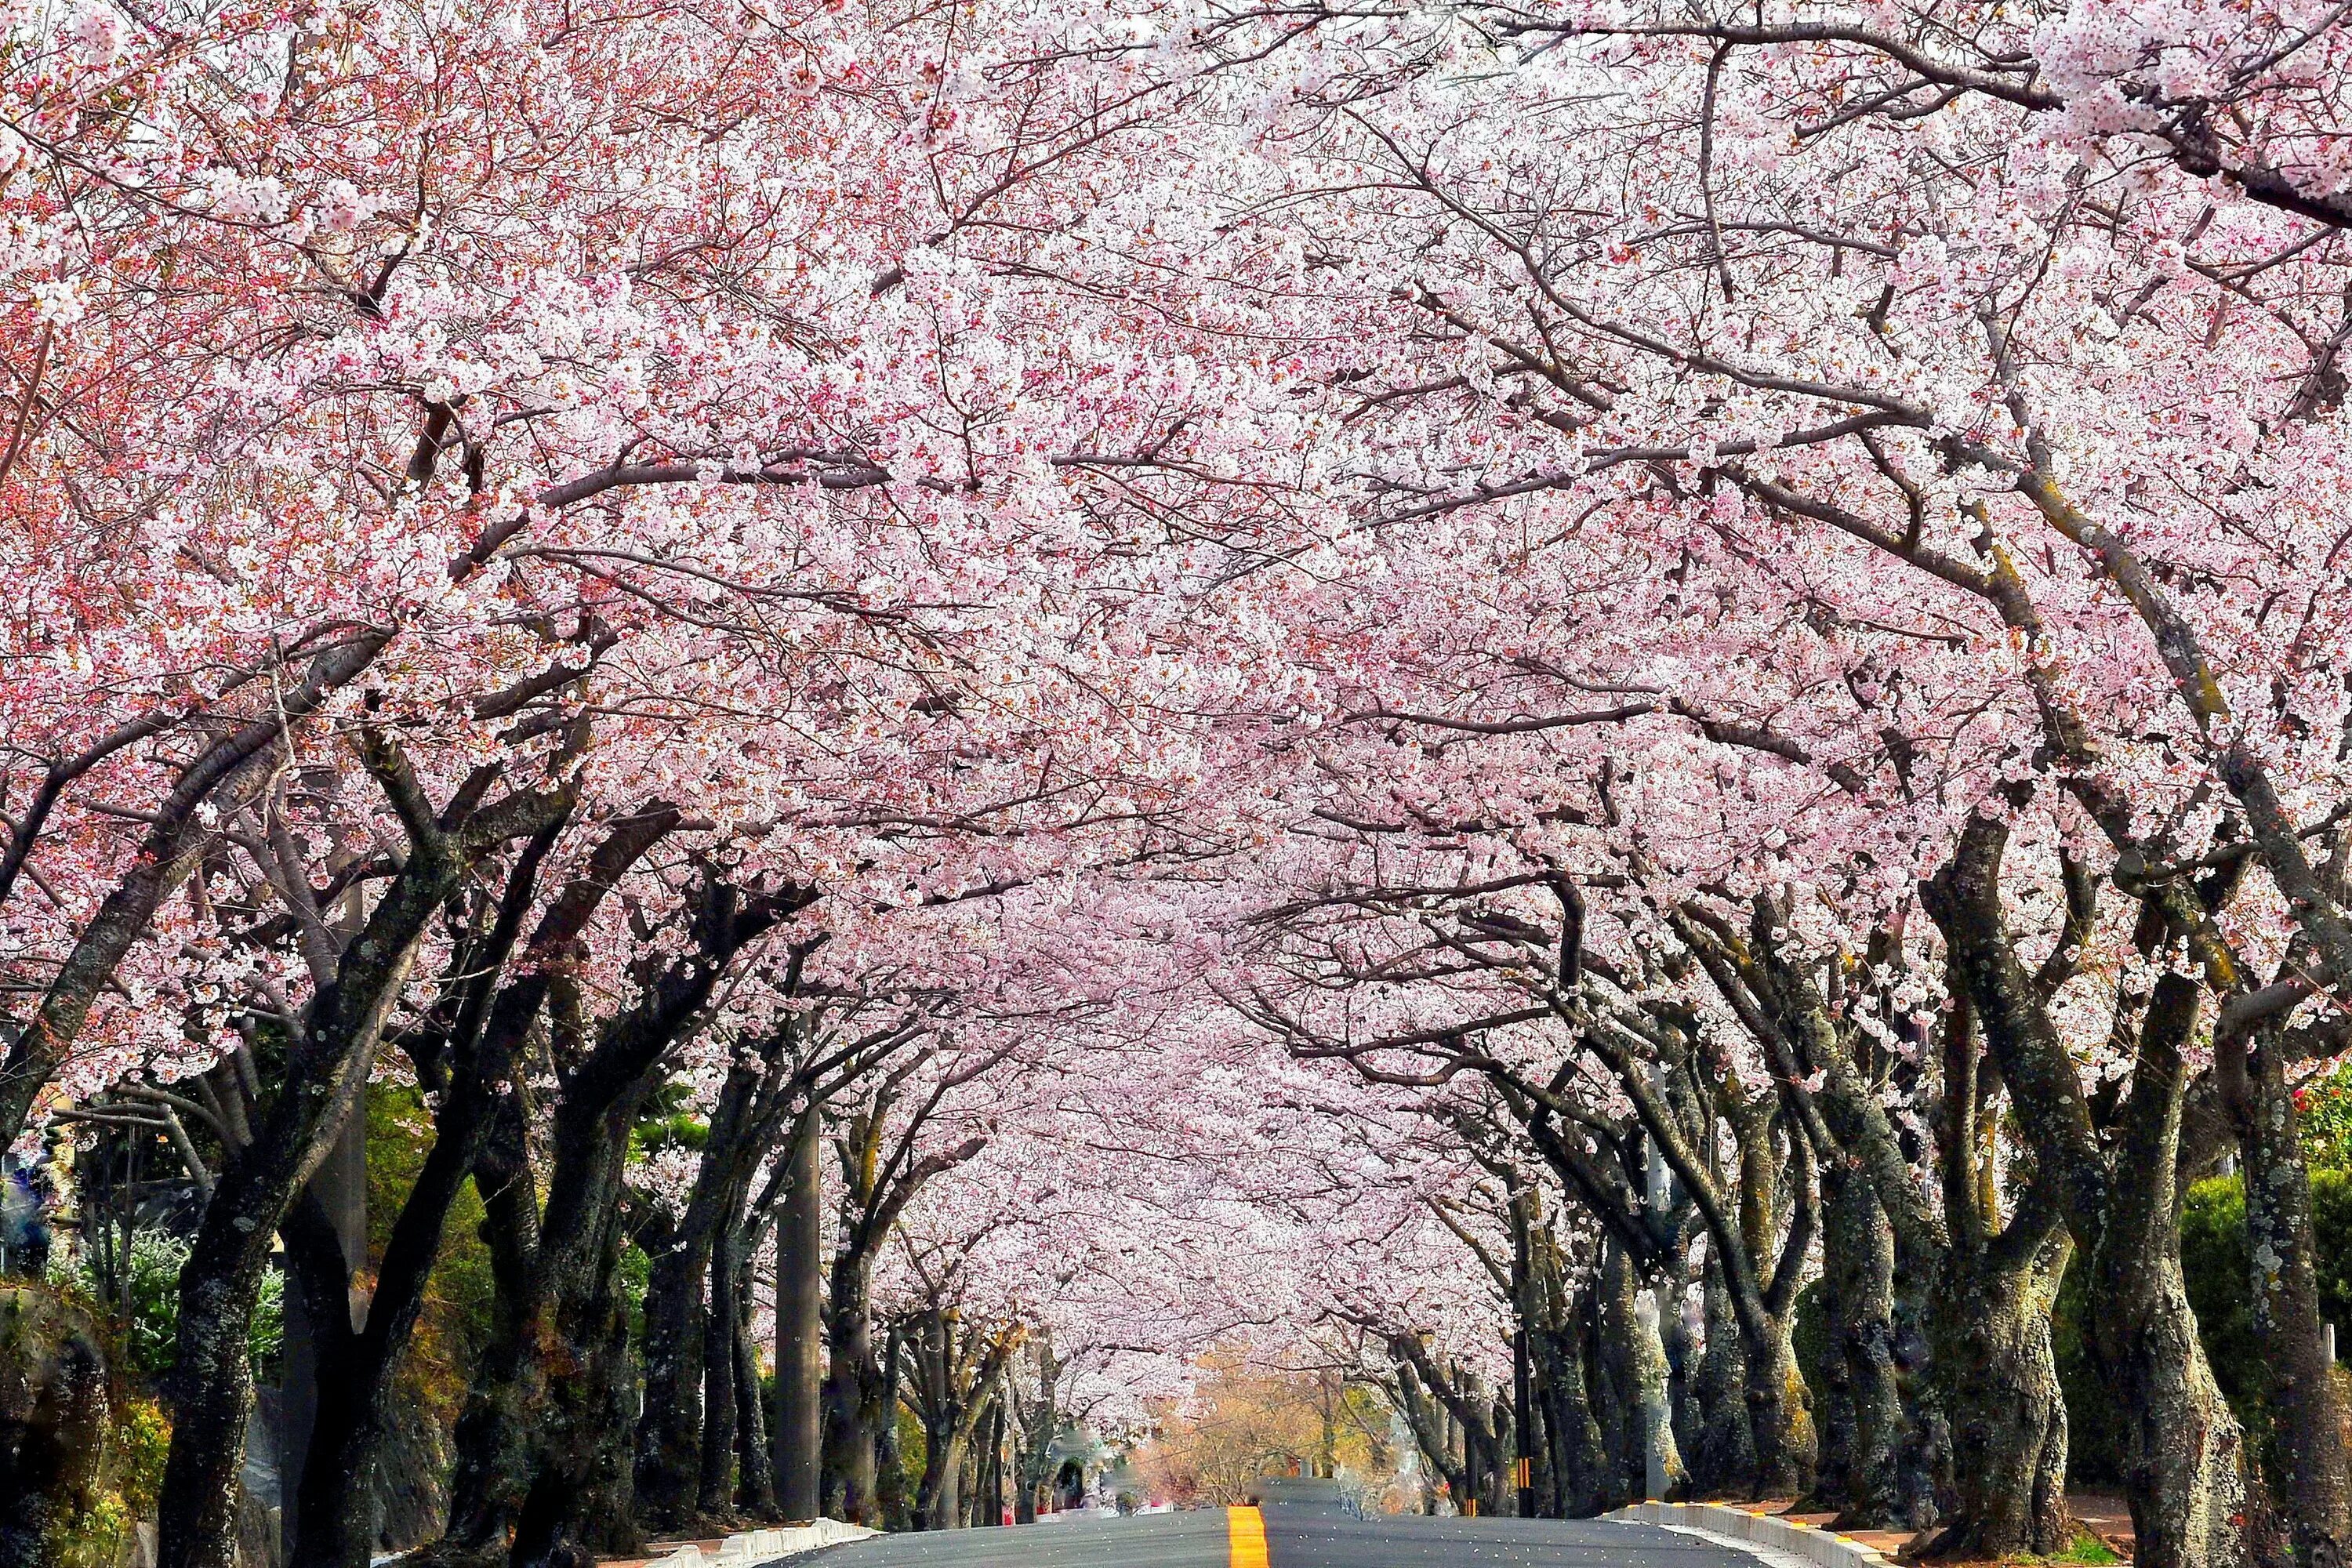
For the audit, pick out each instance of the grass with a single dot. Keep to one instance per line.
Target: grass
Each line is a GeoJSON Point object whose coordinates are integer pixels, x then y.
{"type": "Point", "coordinates": [2084, 1549]}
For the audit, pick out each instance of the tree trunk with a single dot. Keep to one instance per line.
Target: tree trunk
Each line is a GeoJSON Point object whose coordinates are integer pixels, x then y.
{"type": "Point", "coordinates": [1780, 1412]}
{"type": "Point", "coordinates": [890, 1464]}
{"type": "Point", "coordinates": [1635, 1357]}
{"type": "Point", "coordinates": [1923, 1458]}
{"type": "Point", "coordinates": [716, 1493]}
{"type": "Point", "coordinates": [1760, 1278]}
{"type": "Point", "coordinates": [2315, 1495]}
{"type": "Point", "coordinates": [491, 1022]}
{"type": "Point", "coordinates": [995, 1463]}
{"type": "Point", "coordinates": [1430, 1417]}
{"type": "Point", "coordinates": [1830, 1383]}
{"type": "Point", "coordinates": [1040, 1423]}
{"type": "Point", "coordinates": [1573, 1438]}
{"type": "Point", "coordinates": [939, 1496]}
{"type": "Point", "coordinates": [669, 1432]}
{"type": "Point", "coordinates": [544, 1446]}
{"type": "Point", "coordinates": [1858, 1249]}
{"type": "Point", "coordinates": [581, 1501]}
{"type": "Point", "coordinates": [552, 1398]}
{"type": "Point", "coordinates": [1618, 1396]}
{"type": "Point", "coordinates": [211, 1379]}
{"type": "Point", "coordinates": [2184, 1455]}
{"type": "Point", "coordinates": [758, 1495]}
{"type": "Point", "coordinates": [1888, 1444]}
{"type": "Point", "coordinates": [1725, 1459]}
{"type": "Point", "coordinates": [211, 1383]}
{"type": "Point", "coordinates": [493, 1433]}
{"type": "Point", "coordinates": [319, 1400]}
{"type": "Point", "coordinates": [353, 1419]}
{"type": "Point", "coordinates": [851, 1401]}
{"type": "Point", "coordinates": [689, 1361]}
{"type": "Point", "coordinates": [1999, 1383]}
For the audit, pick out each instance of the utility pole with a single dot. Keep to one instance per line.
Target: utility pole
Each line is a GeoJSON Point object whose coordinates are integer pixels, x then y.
{"type": "Point", "coordinates": [1661, 1193]}
{"type": "Point", "coordinates": [340, 1186]}
{"type": "Point", "coordinates": [800, 1326]}
{"type": "Point", "coordinates": [1522, 1405]}
{"type": "Point", "coordinates": [1523, 1466]}
{"type": "Point", "coordinates": [996, 1462]}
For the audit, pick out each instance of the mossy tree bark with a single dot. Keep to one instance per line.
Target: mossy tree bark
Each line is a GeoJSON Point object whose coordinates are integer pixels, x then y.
{"type": "Point", "coordinates": [2185, 1466]}
{"type": "Point", "coordinates": [1858, 1263]}
{"type": "Point", "coordinates": [755, 1471]}
{"type": "Point", "coordinates": [686, 1439]}
{"type": "Point", "coordinates": [881, 1173]}
{"type": "Point", "coordinates": [1993, 1358]}
{"type": "Point", "coordinates": [1426, 1416]}
{"type": "Point", "coordinates": [1571, 1465]}
{"type": "Point", "coordinates": [1037, 1417]}
{"type": "Point", "coordinates": [954, 1370]}
{"type": "Point", "coordinates": [1640, 1437]}
{"type": "Point", "coordinates": [1890, 1246]}
{"type": "Point", "coordinates": [2314, 1493]}
{"type": "Point", "coordinates": [1725, 1453]}
{"type": "Point", "coordinates": [2000, 1388]}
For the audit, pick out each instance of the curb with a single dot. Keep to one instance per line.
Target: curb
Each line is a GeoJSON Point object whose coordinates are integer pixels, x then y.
{"type": "Point", "coordinates": [759, 1546]}
{"type": "Point", "coordinates": [1823, 1547]}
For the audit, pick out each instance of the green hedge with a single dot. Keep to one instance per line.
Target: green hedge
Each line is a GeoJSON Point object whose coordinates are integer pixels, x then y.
{"type": "Point", "coordinates": [2215, 1265]}
{"type": "Point", "coordinates": [2326, 1107]}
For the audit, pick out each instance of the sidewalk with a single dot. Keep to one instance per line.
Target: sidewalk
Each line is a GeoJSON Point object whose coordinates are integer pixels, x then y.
{"type": "Point", "coordinates": [2103, 1514]}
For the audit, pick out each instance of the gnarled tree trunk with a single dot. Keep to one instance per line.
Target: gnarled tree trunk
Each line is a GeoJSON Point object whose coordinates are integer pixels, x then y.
{"type": "Point", "coordinates": [2000, 1383]}
{"type": "Point", "coordinates": [2184, 1454]}
{"type": "Point", "coordinates": [2314, 1493]}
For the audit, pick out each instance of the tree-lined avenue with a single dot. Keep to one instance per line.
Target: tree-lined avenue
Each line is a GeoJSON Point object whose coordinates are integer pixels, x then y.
{"type": "Point", "coordinates": [773, 758]}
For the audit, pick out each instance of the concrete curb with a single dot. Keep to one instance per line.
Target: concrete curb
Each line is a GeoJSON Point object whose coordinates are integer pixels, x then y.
{"type": "Point", "coordinates": [1825, 1548]}
{"type": "Point", "coordinates": [766, 1545]}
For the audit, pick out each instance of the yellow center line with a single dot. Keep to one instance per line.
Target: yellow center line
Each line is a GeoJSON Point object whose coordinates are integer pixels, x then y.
{"type": "Point", "coordinates": [1245, 1535]}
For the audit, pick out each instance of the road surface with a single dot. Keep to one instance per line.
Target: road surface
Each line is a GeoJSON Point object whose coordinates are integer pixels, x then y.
{"type": "Point", "coordinates": [1295, 1536]}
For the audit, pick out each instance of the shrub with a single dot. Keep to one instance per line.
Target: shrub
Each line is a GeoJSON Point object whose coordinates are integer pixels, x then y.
{"type": "Point", "coordinates": [148, 1324]}
{"type": "Point", "coordinates": [2331, 1228]}
{"type": "Point", "coordinates": [153, 1276]}
{"type": "Point", "coordinates": [2325, 1105]}
{"type": "Point", "coordinates": [2094, 1451]}
{"type": "Point", "coordinates": [2216, 1268]}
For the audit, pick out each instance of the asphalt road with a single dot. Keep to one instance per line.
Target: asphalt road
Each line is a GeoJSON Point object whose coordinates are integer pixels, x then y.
{"type": "Point", "coordinates": [1195, 1539]}
{"type": "Point", "coordinates": [1297, 1537]}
